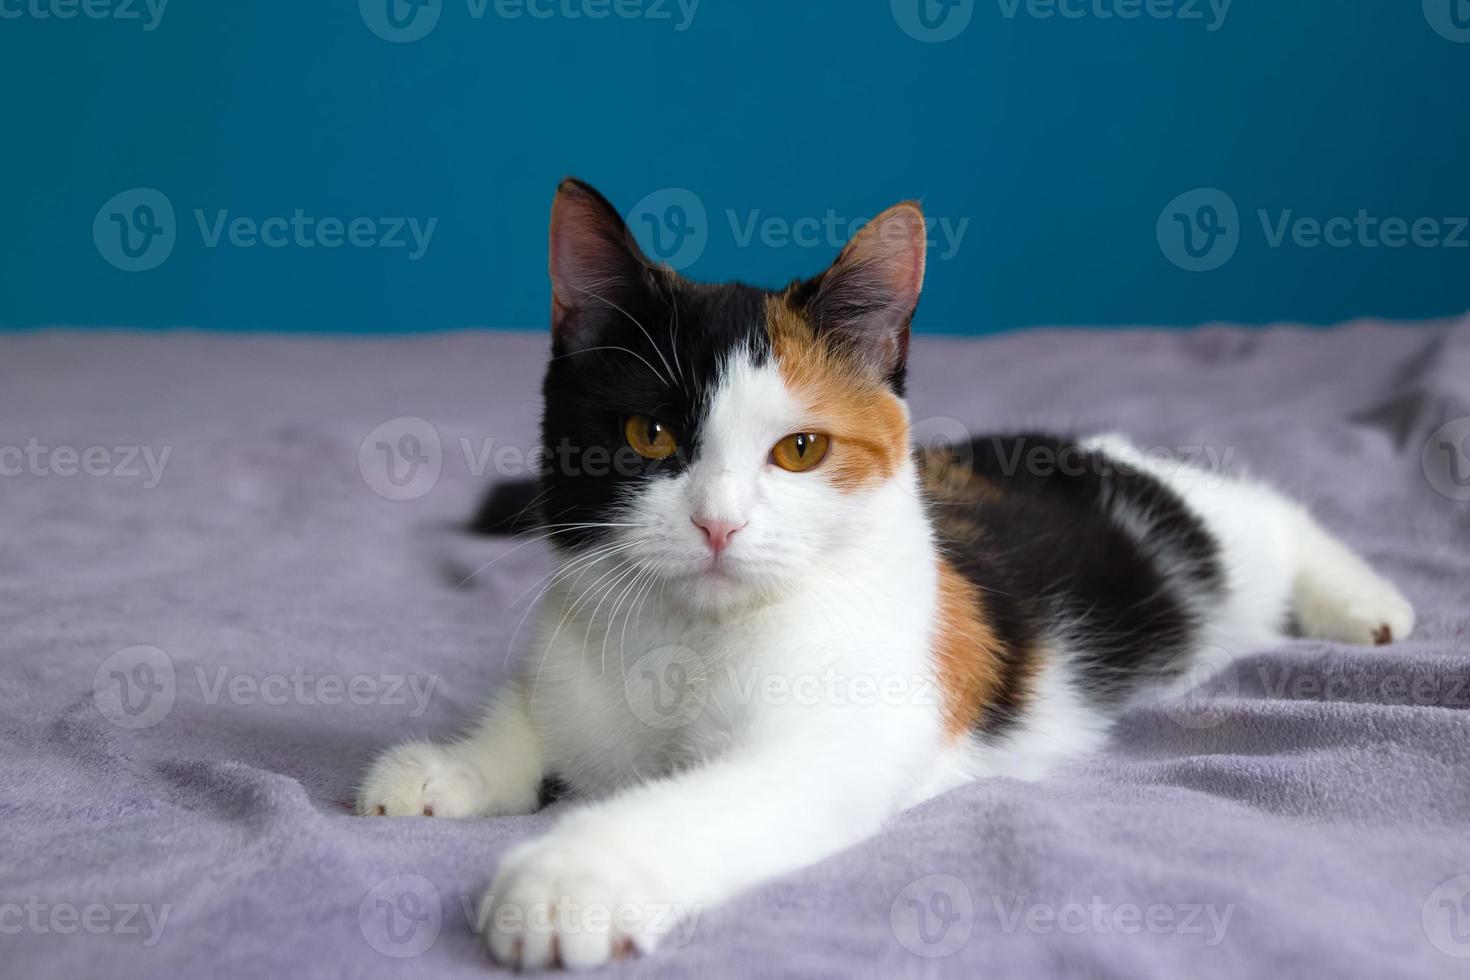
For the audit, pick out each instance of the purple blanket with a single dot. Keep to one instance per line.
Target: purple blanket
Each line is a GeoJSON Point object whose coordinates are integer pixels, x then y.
{"type": "Point", "coordinates": [230, 572]}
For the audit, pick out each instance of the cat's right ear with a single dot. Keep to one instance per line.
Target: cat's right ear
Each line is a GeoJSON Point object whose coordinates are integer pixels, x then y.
{"type": "Point", "coordinates": [593, 260]}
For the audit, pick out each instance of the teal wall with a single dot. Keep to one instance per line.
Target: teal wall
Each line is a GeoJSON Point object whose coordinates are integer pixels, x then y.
{"type": "Point", "coordinates": [1083, 166]}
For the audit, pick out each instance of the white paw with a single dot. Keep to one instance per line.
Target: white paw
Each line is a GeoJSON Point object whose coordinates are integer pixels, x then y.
{"type": "Point", "coordinates": [1372, 613]}
{"type": "Point", "coordinates": [576, 903]}
{"type": "Point", "coordinates": [420, 779]}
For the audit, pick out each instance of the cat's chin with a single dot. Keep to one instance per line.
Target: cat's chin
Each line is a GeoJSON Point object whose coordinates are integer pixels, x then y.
{"type": "Point", "coordinates": [720, 590]}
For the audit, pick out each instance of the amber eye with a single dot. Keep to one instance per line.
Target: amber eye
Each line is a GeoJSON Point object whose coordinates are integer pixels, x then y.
{"type": "Point", "coordinates": [649, 437]}
{"type": "Point", "coordinates": [800, 451]}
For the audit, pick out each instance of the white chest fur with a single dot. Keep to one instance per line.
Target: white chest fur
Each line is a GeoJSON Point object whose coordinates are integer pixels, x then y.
{"type": "Point", "coordinates": [633, 686]}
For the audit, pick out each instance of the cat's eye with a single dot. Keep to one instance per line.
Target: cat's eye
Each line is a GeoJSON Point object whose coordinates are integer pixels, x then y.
{"type": "Point", "coordinates": [649, 437]}
{"type": "Point", "coordinates": [800, 451]}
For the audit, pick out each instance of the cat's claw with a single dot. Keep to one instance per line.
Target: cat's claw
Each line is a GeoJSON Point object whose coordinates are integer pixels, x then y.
{"type": "Point", "coordinates": [420, 779]}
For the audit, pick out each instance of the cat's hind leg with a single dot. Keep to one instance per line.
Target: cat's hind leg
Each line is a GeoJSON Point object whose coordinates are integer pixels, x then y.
{"type": "Point", "coordinates": [1279, 563]}
{"type": "Point", "coordinates": [1335, 594]}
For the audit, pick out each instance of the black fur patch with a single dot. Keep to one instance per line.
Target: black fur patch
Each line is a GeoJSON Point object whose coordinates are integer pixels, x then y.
{"type": "Point", "coordinates": [1057, 536]}
{"type": "Point", "coordinates": [657, 346]}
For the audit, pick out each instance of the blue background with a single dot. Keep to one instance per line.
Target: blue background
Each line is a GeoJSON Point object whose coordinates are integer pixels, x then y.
{"type": "Point", "coordinates": [1060, 140]}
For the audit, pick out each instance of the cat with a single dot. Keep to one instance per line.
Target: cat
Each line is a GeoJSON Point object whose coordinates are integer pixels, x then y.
{"type": "Point", "coordinates": [773, 625]}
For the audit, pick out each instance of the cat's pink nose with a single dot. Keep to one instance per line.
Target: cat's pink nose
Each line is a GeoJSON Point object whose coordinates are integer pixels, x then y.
{"type": "Point", "coordinates": [717, 533]}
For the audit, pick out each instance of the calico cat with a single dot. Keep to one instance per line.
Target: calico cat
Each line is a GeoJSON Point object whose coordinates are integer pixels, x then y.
{"type": "Point", "coordinates": [773, 625]}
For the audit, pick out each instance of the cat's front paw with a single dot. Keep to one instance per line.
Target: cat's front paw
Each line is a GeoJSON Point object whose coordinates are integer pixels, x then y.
{"type": "Point", "coordinates": [576, 903]}
{"type": "Point", "coordinates": [420, 779]}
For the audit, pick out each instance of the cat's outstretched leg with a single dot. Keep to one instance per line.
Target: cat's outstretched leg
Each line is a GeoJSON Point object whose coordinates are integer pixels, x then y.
{"type": "Point", "coordinates": [1277, 560]}
{"type": "Point", "coordinates": [495, 770]}
{"type": "Point", "coordinates": [1335, 594]}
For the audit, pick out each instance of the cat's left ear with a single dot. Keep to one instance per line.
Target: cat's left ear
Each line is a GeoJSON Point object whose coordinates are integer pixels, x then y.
{"type": "Point", "coordinates": [866, 300]}
{"type": "Point", "coordinates": [595, 264]}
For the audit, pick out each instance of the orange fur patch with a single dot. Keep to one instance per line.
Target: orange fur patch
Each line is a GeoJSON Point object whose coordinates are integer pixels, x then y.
{"type": "Point", "coordinates": [866, 422]}
{"type": "Point", "coordinates": [966, 650]}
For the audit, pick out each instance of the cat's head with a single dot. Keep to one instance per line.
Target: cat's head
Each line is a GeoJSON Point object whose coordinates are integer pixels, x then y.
{"type": "Point", "coordinates": [721, 439]}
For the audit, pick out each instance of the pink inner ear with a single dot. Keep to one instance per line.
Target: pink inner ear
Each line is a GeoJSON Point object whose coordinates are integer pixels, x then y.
{"type": "Point", "coordinates": [580, 252]}
{"type": "Point", "coordinates": [868, 296]}
{"type": "Point", "coordinates": [589, 251]}
{"type": "Point", "coordinates": [892, 248]}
